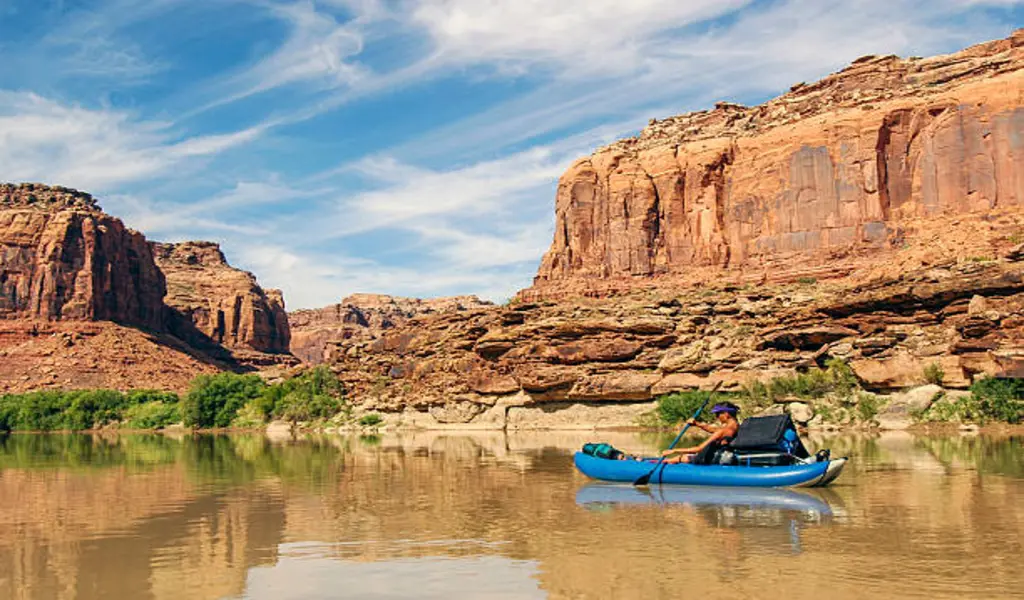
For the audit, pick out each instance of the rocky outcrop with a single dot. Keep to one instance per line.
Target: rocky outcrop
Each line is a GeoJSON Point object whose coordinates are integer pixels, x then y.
{"type": "Point", "coordinates": [815, 183]}
{"type": "Point", "coordinates": [61, 258]}
{"type": "Point", "coordinates": [364, 317]}
{"type": "Point", "coordinates": [216, 304]}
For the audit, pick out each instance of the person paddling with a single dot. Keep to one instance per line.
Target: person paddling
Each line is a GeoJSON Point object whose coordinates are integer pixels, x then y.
{"type": "Point", "coordinates": [720, 437]}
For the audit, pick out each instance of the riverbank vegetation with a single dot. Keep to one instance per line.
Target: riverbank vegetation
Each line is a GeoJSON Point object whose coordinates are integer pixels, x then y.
{"type": "Point", "coordinates": [213, 401]}
{"type": "Point", "coordinates": [833, 395]}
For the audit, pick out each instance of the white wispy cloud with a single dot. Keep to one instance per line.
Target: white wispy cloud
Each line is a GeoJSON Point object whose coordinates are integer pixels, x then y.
{"type": "Point", "coordinates": [319, 51]}
{"type": "Point", "coordinates": [578, 37]}
{"type": "Point", "coordinates": [98, 149]}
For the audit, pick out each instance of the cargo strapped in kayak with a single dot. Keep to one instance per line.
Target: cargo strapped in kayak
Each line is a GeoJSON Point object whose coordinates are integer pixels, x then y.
{"type": "Point", "coordinates": [765, 437]}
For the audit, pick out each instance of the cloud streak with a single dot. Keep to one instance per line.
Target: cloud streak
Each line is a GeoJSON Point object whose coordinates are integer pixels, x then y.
{"type": "Point", "coordinates": [98, 149]}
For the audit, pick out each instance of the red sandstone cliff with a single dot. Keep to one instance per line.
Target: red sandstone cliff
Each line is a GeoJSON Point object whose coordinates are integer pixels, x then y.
{"type": "Point", "coordinates": [807, 183]}
{"type": "Point", "coordinates": [215, 303]}
{"type": "Point", "coordinates": [362, 317]}
{"type": "Point", "coordinates": [85, 303]}
{"type": "Point", "coordinates": [61, 258]}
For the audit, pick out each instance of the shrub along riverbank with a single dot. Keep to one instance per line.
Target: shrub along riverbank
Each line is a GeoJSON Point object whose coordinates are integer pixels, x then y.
{"type": "Point", "coordinates": [833, 396]}
{"type": "Point", "coordinates": [213, 401]}
{"type": "Point", "coordinates": [829, 396]}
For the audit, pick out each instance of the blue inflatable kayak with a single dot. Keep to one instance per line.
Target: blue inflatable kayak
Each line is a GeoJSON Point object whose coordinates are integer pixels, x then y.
{"type": "Point", "coordinates": [627, 471]}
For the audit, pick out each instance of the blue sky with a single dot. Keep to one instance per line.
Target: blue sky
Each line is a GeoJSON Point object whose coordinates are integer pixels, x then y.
{"type": "Point", "coordinates": [409, 147]}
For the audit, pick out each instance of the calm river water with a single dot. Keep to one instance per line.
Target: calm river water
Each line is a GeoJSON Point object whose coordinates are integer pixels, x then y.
{"type": "Point", "coordinates": [437, 515]}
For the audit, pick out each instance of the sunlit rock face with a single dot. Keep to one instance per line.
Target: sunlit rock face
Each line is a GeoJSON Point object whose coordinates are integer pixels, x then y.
{"type": "Point", "coordinates": [364, 317]}
{"type": "Point", "coordinates": [62, 258]}
{"type": "Point", "coordinates": [807, 182]}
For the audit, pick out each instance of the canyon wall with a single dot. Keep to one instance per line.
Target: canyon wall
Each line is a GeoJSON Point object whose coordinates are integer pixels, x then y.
{"type": "Point", "coordinates": [875, 217]}
{"type": "Point", "coordinates": [814, 182]}
{"type": "Point", "coordinates": [361, 317]}
{"type": "Point", "coordinates": [215, 303]}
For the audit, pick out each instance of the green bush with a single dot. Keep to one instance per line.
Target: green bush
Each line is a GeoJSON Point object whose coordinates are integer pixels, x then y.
{"type": "Point", "coordinates": [87, 409]}
{"type": "Point", "coordinates": [315, 394]}
{"type": "Point", "coordinates": [961, 410]}
{"type": "Point", "coordinates": [152, 415]}
{"type": "Point", "coordinates": [837, 378]}
{"type": "Point", "coordinates": [934, 374]}
{"type": "Point", "coordinates": [1000, 399]}
{"type": "Point", "coordinates": [51, 410]}
{"type": "Point", "coordinates": [214, 400]}
{"type": "Point", "coordinates": [868, 406]}
{"type": "Point", "coordinates": [680, 406]}
{"type": "Point", "coordinates": [371, 420]}
{"type": "Point", "coordinates": [145, 396]}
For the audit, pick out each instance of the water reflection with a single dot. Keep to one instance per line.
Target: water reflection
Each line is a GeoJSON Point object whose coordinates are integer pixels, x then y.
{"type": "Point", "coordinates": [787, 511]}
{"type": "Point", "coordinates": [438, 514]}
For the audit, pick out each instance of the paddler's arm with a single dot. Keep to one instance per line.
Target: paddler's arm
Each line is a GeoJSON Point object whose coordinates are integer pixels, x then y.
{"type": "Point", "coordinates": [695, 449]}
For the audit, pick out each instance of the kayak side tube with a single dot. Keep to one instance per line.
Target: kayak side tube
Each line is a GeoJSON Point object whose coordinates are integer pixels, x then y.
{"type": "Point", "coordinates": [628, 471]}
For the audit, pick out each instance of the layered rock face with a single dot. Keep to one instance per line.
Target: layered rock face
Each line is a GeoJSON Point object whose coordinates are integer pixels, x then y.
{"type": "Point", "coordinates": [363, 317]}
{"type": "Point", "coordinates": [815, 182]}
{"type": "Point", "coordinates": [216, 304]}
{"type": "Point", "coordinates": [485, 367]}
{"type": "Point", "coordinates": [61, 258]}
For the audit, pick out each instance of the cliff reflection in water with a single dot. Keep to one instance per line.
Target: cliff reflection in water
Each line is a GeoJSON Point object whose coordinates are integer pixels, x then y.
{"type": "Point", "coordinates": [490, 516]}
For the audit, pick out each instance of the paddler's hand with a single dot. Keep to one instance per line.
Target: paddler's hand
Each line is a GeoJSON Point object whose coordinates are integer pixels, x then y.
{"type": "Point", "coordinates": [667, 452]}
{"type": "Point", "coordinates": [692, 422]}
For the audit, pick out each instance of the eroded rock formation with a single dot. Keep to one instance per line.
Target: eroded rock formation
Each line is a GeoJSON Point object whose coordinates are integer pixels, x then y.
{"type": "Point", "coordinates": [473, 367]}
{"type": "Point", "coordinates": [215, 303]}
{"type": "Point", "coordinates": [806, 184]}
{"type": "Point", "coordinates": [363, 317]}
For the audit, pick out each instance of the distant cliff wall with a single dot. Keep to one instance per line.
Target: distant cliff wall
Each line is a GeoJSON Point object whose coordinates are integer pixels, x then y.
{"type": "Point", "coordinates": [825, 174]}
{"type": "Point", "coordinates": [364, 317]}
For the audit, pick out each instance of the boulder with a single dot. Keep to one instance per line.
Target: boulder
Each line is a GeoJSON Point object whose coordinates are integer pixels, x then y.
{"type": "Point", "coordinates": [597, 350]}
{"type": "Point", "coordinates": [978, 306]}
{"type": "Point", "coordinates": [456, 411]}
{"type": "Point", "coordinates": [919, 399]}
{"type": "Point", "coordinates": [544, 378]}
{"type": "Point", "coordinates": [486, 381]}
{"type": "Point", "coordinates": [905, 370]}
{"type": "Point", "coordinates": [801, 412]}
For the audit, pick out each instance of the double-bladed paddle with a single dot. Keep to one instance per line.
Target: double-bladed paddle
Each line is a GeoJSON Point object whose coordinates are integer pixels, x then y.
{"type": "Point", "coordinates": [645, 479]}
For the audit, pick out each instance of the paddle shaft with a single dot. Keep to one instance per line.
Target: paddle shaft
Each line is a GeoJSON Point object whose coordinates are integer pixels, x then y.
{"type": "Point", "coordinates": [644, 479]}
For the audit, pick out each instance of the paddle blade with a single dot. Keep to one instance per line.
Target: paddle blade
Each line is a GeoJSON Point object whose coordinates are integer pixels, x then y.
{"type": "Point", "coordinates": [646, 478]}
